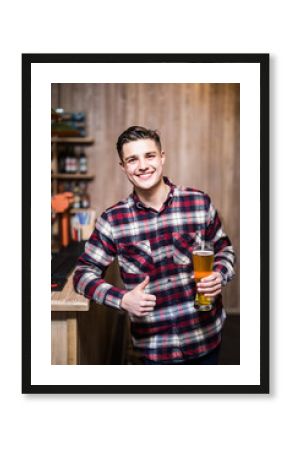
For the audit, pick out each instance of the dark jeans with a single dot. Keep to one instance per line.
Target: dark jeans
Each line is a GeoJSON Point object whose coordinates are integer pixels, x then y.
{"type": "Point", "coordinates": [210, 359]}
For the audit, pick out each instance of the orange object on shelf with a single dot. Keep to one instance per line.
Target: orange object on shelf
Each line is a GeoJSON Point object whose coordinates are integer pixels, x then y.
{"type": "Point", "coordinates": [64, 229]}
{"type": "Point", "coordinates": [60, 203]}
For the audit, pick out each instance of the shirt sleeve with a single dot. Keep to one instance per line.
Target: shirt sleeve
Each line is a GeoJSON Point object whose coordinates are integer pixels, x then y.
{"type": "Point", "coordinates": [99, 253]}
{"type": "Point", "coordinates": [224, 255]}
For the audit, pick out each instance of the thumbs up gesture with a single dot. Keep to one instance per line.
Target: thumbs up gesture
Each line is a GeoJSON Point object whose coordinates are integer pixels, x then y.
{"type": "Point", "coordinates": [137, 302]}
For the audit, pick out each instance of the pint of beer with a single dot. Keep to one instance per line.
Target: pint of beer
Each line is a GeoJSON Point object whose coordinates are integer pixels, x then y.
{"type": "Point", "coordinates": [203, 257]}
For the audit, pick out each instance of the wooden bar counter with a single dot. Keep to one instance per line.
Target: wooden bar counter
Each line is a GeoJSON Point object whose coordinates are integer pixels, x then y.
{"type": "Point", "coordinates": [66, 305]}
{"type": "Point", "coordinates": [83, 332]}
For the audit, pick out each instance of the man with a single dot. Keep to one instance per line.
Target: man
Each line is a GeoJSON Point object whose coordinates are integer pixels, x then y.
{"type": "Point", "coordinates": [152, 233]}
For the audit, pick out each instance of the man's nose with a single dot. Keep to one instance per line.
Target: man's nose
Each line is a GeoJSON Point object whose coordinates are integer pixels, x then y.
{"type": "Point", "coordinates": [143, 164]}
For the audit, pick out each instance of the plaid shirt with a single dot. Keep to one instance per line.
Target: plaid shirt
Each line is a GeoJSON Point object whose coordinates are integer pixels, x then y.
{"type": "Point", "coordinates": [159, 244]}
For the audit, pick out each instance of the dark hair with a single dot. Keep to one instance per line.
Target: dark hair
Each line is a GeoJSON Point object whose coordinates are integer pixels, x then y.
{"type": "Point", "coordinates": [134, 134]}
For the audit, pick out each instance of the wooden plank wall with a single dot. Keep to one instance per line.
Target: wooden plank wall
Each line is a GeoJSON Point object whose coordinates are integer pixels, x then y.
{"type": "Point", "coordinates": [199, 126]}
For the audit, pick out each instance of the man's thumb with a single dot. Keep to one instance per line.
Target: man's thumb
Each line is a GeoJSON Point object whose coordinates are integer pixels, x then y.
{"type": "Point", "coordinates": [144, 283]}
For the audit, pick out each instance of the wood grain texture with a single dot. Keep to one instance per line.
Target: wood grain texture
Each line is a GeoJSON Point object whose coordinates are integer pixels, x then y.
{"type": "Point", "coordinates": [72, 339]}
{"type": "Point", "coordinates": [199, 127]}
{"type": "Point", "coordinates": [64, 338]}
{"type": "Point", "coordinates": [68, 299]}
{"type": "Point", "coordinates": [59, 338]}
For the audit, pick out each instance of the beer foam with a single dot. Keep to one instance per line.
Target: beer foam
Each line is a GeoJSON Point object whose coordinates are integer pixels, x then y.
{"type": "Point", "coordinates": [203, 252]}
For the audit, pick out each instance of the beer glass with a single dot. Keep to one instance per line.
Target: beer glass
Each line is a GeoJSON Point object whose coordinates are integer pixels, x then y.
{"type": "Point", "coordinates": [202, 258]}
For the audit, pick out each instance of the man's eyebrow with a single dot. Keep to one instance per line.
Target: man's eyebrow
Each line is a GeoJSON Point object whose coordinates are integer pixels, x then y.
{"type": "Point", "coordinates": [129, 157]}
{"type": "Point", "coordinates": [135, 156]}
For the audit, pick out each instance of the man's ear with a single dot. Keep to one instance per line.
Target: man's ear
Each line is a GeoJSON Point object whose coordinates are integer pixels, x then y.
{"type": "Point", "coordinates": [122, 165]}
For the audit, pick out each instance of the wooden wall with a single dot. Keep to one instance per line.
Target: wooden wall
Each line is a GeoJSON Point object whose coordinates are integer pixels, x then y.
{"type": "Point", "coordinates": [199, 126]}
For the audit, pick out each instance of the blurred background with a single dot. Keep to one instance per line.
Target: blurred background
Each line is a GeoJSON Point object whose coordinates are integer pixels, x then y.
{"type": "Point", "coordinates": [199, 126]}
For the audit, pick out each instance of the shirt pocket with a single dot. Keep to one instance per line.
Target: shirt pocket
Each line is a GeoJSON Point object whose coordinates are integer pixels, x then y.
{"type": "Point", "coordinates": [182, 248]}
{"type": "Point", "coordinates": [135, 257]}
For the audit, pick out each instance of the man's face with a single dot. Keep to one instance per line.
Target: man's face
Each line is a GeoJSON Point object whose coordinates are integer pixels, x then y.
{"type": "Point", "coordinates": [143, 163]}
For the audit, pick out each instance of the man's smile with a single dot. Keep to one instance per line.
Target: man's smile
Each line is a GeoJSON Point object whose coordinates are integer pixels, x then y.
{"type": "Point", "coordinates": [144, 176]}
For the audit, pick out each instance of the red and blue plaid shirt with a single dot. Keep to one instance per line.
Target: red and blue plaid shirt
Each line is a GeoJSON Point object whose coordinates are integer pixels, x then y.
{"type": "Point", "coordinates": [159, 244]}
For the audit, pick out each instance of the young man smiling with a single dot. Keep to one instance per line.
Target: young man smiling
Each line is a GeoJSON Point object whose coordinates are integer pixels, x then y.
{"type": "Point", "coordinates": [152, 234]}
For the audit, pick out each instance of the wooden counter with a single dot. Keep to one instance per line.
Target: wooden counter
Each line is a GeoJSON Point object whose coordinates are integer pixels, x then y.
{"type": "Point", "coordinates": [68, 299]}
{"type": "Point", "coordinates": [65, 306]}
{"type": "Point", "coordinates": [83, 332]}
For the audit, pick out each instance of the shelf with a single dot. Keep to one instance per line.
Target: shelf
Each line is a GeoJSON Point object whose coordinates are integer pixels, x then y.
{"type": "Point", "coordinates": [78, 210]}
{"type": "Point", "coordinates": [72, 140]}
{"type": "Point", "coordinates": [72, 176]}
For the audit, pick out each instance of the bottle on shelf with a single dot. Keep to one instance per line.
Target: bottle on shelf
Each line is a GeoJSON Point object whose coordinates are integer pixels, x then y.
{"type": "Point", "coordinates": [61, 161]}
{"type": "Point", "coordinates": [67, 161]}
{"type": "Point", "coordinates": [77, 197]}
{"type": "Point", "coordinates": [83, 164]}
{"type": "Point", "coordinates": [85, 197]}
{"type": "Point", "coordinates": [73, 161]}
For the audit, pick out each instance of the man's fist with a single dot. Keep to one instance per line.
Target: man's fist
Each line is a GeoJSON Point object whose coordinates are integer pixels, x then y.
{"type": "Point", "coordinates": [137, 302]}
{"type": "Point", "coordinates": [210, 286]}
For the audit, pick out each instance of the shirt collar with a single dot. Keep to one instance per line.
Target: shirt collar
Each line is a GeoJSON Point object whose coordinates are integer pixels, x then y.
{"type": "Point", "coordinates": [134, 199]}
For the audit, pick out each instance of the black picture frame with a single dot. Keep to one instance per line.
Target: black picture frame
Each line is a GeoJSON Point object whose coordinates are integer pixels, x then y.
{"type": "Point", "coordinates": [263, 61]}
